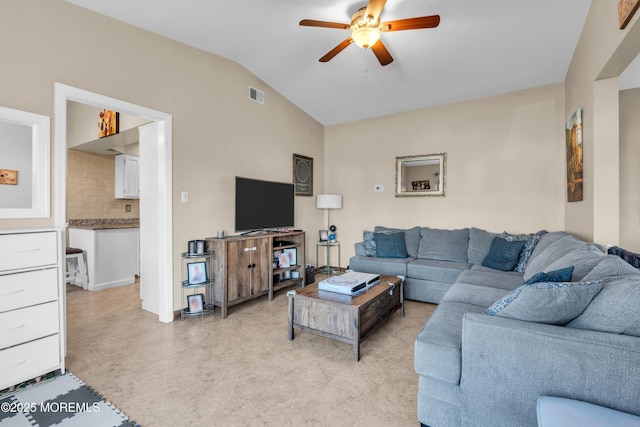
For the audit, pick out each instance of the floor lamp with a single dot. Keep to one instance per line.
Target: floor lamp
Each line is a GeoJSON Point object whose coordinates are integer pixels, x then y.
{"type": "Point", "coordinates": [328, 202]}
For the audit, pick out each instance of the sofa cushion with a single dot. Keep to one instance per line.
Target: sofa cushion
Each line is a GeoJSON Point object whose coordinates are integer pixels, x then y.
{"type": "Point", "coordinates": [611, 267]}
{"type": "Point", "coordinates": [530, 242]}
{"type": "Point", "coordinates": [503, 254]}
{"type": "Point", "coordinates": [437, 350]}
{"type": "Point", "coordinates": [390, 245]}
{"type": "Point", "coordinates": [554, 303]}
{"type": "Point", "coordinates": [436, 270]}
{"type": "Point", "coordinates": [385, 266]}
{"type": "Point", "coordinates": [545, 240]}
{"type": "Point", "coordinates": [445, 245]}
{"type": "Point", "coordinates": [369, 243]}
{"type": "Point", "coordinates": [615, 309]}
{"type": "Point", "coordinates": [562, 275]}
{"type": "Point", "coordinates": [551, 253]}
{"type": "Point", "coordinates": [489, 277]}
{"type": "Point", "coordinates": [482, 296]}
{"type": "Point", "coordinates": [479, 244]}
{"type": "Point", "coordinates": [582, 260]}
{"type": "Point", "coordinates": [411, 237]}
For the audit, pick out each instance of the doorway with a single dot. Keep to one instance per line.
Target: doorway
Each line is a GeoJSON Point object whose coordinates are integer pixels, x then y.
{"type": "Point", "coordinates": [156, 247]}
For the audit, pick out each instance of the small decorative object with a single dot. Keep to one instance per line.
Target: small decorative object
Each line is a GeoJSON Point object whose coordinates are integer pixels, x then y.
{"type": "Point", "coordinates": [197, 272]}
{"type": "Point", "coordinates": [286, 275]}
{"type": "Point", "coordinates": [9, 177]}
{"type": "Point", "coordinates": [332, 234]}
{"type": "Point", "coordinates": [192, 247]}
{"type": "Point", "coordinates": [108, 123]}
{"type": "Point", "coordinates": [303, 175]}
{"type": "Point", "coordinates": [200, 246]}
{"type": "Point", "coordinates": [283, 261]}
{"type": "Point", "coordinates": [295, 274]}
{"type": "Point", "coordinates": [196, 303]}
{"type": "Point", "coordinates": [573, 130]}
{"type": "Point", "coordinates": [324, 235]}
{"type": "Point", "coordinates": [292, 255]}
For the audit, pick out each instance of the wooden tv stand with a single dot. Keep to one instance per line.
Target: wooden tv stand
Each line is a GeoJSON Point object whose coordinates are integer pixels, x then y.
{"type": "Point", "coordinates": [244, 266]}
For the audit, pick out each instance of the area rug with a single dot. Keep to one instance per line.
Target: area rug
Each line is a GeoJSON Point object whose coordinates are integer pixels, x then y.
{"type": "Point", "coordinates": [62, 400]}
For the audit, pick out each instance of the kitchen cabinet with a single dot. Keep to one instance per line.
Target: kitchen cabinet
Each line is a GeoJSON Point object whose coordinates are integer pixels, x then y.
{"type": "Point", "coordinates": [127, 176]}
{"type": "Point", "coordinates": [113, 255]}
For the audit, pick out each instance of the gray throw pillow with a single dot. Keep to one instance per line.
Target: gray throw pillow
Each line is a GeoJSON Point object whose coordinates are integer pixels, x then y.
{"type": "Point", "coordinates": [554, 303]}
{"type": "Point", "coordinates": [369, 243]}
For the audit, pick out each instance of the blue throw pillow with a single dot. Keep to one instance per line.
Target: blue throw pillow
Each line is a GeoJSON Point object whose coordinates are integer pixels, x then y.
{"type": "Point", "coordinates": [503, 255]}
{"type": "Point", "coordinates": [530, 242]}
{"type": "Point", "coordinates": [390, 245]}
{"type": "Point", "coordinates": [562, 275]}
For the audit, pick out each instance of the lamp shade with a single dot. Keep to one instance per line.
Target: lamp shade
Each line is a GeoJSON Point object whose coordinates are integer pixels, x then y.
{"type": "Point", "coordinates": [329, 201]}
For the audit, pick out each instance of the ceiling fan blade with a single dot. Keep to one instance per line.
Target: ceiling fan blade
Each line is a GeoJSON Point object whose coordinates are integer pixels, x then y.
{"type": "Point", "coordinates": [381, 52]}
{"type": "Point", "coordinates": [411, 23]}
{"type": "Point", "coordinates": [324, 24]}
{"type": "Point", "coordinates": [336, 50]}
{"type": "Point", "coordinates": [374, 8]}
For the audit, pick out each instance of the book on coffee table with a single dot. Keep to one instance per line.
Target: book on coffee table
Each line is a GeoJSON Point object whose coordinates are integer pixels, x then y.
{"type": "Point", "coordinates": [351, 283]}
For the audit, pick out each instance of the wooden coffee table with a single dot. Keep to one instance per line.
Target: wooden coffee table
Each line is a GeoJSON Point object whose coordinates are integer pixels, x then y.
{"type": "Point", "coordinates": [342, 317]}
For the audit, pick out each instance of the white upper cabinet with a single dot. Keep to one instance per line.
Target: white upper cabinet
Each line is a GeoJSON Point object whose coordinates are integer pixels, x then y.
{"type": "Point", "coordinates": [127, 177]}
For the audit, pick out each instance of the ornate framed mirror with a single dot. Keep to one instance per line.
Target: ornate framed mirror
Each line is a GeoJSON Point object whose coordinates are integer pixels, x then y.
{"type": "Point", "coordinates": [422, 175]}
{"type": "Point", "coordinates": [24, 164]}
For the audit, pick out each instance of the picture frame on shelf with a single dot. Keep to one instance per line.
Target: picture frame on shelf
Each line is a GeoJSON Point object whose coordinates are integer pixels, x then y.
{"type": "Point", "coordinates": [292, 255]}
{"type": "Point", "coordinates": [324, 235]}
{"type": "Point", "coordinates": [195, 303]}
{"type": "Point", "coordinates": [283, 261]}
{"type": "Point", "coordinates": [286, 275]}
{"type": "Point", "coordinates": [197, 273]}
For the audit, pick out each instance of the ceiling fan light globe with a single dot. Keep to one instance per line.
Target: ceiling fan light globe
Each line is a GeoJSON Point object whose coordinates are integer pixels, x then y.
{"type": "Point", "coordinates": [365, 36]}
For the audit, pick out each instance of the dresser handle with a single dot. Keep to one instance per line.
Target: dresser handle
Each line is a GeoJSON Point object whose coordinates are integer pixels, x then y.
{"type": "Point", "coordinates": [14, 328]}
{"type": "Point", "coordinates": [13, 365]}
{"type": "Point", "coordinates": [12, 293]}
{"type": "Point", "coordinates": [28, 250]}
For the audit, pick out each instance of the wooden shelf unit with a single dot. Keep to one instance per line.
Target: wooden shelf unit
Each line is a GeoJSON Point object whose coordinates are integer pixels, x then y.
{"type": "Point", "coordinates": [244, 266]}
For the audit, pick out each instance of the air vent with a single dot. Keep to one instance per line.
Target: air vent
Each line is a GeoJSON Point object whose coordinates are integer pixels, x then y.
{"type": "Point", "coordinates": [256, 95]}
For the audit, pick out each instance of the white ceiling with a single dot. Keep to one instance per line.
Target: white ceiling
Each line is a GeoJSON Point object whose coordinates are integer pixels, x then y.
{"type": "Point", "coordinates": [481, 48]}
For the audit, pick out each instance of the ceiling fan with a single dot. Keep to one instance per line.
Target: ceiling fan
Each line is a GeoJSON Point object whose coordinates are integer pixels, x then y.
{"type": "Point", "coordinates": [366, 28]}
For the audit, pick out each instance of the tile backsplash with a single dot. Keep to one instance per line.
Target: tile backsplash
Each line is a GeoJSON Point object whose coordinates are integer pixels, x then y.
{"type": "Point", "coordinates": [91, 188]}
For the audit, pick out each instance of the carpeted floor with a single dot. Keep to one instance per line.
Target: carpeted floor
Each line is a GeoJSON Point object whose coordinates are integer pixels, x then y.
{"type": "Point", "coordinates": [243, 370]}
{"type": "Point", "coordinates": [62, 401]}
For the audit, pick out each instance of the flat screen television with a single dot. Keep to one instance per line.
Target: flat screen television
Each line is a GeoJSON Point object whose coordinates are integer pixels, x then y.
{"type": "Point", "coordinates": [263, 204]}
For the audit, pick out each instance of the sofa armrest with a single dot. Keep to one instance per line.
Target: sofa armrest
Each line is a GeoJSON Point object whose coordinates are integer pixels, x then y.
{"type": "Point", "coordinates": [507, 364]}
{"type": "Point", "coordinates": [359, 247]}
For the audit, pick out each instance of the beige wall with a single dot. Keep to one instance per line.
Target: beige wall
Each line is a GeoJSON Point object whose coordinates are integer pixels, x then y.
{"type": "Point", "coordinates": [217, 131]}
{"type": "Point", "coordinates": [630, 170]}
{"type": "Point", "coordinates": [504, 167]}
{"type": "Point", "coordinates": [603, 52]}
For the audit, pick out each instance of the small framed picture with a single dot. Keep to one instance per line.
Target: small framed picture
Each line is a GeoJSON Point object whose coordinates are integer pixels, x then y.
{"type": "Point", "coordinates": [324, 235]}
{"type": "Point", "coordinates": [286, 275]}
{"type": "Point", "coordinates": [192, 247]}
{"type": "Point", "coordinates": [292, 255]}
{"type": "Point", "coordinates": [197, 272]}
{"type": "Point", "coordinates": [284, 261]}
{"type": "Point", "coordinates": [195, 303]}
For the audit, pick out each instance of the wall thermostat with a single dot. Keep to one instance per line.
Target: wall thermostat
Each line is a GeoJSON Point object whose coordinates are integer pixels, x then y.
{"type": "Point", "coordinates": [378, 188]}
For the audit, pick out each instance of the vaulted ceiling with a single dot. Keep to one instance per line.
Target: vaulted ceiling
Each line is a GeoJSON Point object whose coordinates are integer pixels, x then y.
{"type": "Point", "coordinates": [481, 48]}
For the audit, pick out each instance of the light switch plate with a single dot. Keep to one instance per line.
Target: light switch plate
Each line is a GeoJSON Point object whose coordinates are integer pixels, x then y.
{"type": "Point", "coordinates": [185, 196]}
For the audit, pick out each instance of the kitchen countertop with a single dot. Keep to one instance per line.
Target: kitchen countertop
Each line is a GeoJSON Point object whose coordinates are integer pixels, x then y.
{"type": "Point", "coordinates": [105, 224]}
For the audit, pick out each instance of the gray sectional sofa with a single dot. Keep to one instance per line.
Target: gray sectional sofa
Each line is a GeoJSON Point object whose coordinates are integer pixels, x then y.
{"type": "Point", "coordinates": [564, 321]}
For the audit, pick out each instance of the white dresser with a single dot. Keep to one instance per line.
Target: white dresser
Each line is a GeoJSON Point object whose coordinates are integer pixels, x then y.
{"type": "Point", "coordinates": [31, 305]}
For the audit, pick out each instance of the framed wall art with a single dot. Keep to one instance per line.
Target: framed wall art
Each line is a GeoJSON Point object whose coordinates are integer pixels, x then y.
{"type": "Point", "coordinates": [573, 131]}
{"type": "Point", "coordinates": [303, 175]}
{"type": "Point", "coordinates": [108, 123]}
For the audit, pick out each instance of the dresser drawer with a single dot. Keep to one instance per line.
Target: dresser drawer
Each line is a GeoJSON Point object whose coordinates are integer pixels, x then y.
{"type": "Point", "coordinates": [29, 288]}
{"type": "Point", "coordinates": [28, 324]}
{"type": "Point", "coordinates": [29, 360]}
{"type": "Point", "coordinates": [24, 250]}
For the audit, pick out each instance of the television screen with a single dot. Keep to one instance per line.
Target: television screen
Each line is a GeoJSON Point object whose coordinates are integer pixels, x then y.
{"type": "Point", "coordinates": [263, 204]}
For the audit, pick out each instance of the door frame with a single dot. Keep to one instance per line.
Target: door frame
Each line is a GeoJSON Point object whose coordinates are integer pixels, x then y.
{"type": "Point", "coordinates": [164, 252]}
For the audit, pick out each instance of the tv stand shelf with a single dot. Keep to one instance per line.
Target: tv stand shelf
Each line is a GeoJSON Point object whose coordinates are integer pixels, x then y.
{"type": "Point", "coordinates": [245, 266]}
